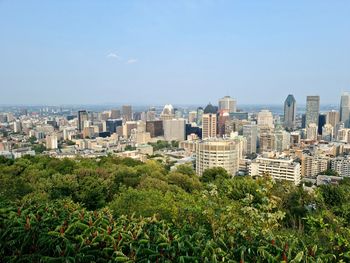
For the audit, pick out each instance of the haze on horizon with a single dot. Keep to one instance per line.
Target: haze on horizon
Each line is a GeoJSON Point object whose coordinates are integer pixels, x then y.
{"type": "Point", "coordinates": [180, 52]}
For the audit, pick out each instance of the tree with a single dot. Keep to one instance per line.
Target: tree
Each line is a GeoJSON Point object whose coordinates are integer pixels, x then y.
{"type": "Point", "coordinates": [212, 174]}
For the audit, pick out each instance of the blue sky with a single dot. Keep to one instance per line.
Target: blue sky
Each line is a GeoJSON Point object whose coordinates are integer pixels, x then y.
{"type": "Point", "coordinates": [188, 52]}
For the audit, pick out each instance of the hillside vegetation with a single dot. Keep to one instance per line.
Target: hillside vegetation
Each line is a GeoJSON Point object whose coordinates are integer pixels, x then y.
{"type": "Point", "coordinates": [122, 210]}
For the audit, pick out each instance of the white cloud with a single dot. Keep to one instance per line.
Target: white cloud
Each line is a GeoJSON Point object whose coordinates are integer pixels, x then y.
{"type": "Point", "coordinates": [113, 56]}
{"type": "Point", "coordinates": [132, 61]}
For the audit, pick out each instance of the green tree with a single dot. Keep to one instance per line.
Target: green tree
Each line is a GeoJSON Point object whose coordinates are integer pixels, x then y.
{"type": "Point", "coordinates": [212, 174]}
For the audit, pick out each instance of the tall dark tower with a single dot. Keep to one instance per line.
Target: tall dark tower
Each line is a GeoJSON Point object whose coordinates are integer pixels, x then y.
{"type": "Point", "coordinates": [289, 112]}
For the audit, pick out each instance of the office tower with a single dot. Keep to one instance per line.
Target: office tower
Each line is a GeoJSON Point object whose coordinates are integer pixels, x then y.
{"type": "Point", "coordinates": [345, 109]}
{"type": "Point", "coordinates": [217, 153]}
{"type": "Point", "coordinates": [192, 116]}
{"type": "Point", "coordinates": [151, 114]}
{"type": "Point", "coordinates": [155, 128]}
{"type": "Point", "coordinates": [112, 125]}
{"type": "Point", "coordinates": [282, 140]}
{"type": "Point", "coordinates": [322, 120]}
{"type": "Point", "coordinates": [333, 119]}
{"type": "Point", "coordinates": [312, 110]}
{"type": "Point", "coordinates": [303, 121]}
{"type": "Point", "coordinates": [115, 114]}
{"type": "Point", "coordinates": [250, 132]}
{"type": "Point", "coordinates": [209, 122]}
{"type": "Point", "coordinates": [51, 142]}
{"type": "Point", "coordinates": [89, 132]}
{"type": "Point", "coordinates": [228, 104]}
{"type": "Point", "coordinates": [327, 132]}
{"type": "Point", "coordinates": [17, 126]}
{"type": "Point", "coordinates": [312, 132]}
{"type": "Point", "coordinates": [278, 169]}
{"type": "Point", "coordinates": [82, 117]}
{"type": "Point", "coordinates": [128, 127]}
{"type": "Point", "coordinates": [224, 117]}
{"type": "Point", "coordinates": [200, 112]}
{"type": "Point", "coordinates": [289, 112]}
{"type": "Point", "coordinates": [174, 130]}
{"type": "Point", "coordinates": [267, 142]}
{"type": "Point", "coordinates": [127, 112]}
{"type": "Point", "coordinates": [168, 113]}
{"type": "Point", "coordinates": [265, 119]}
{"type": "Point", "coordinates": [138, 116]}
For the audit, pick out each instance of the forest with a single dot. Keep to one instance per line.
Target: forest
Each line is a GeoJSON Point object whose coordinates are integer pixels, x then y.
{"type": "Point", "coordinates": [122, 210]}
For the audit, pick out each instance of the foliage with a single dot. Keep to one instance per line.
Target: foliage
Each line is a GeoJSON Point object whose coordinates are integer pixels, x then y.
{"type": "Point", "coordinates": [121, 210]}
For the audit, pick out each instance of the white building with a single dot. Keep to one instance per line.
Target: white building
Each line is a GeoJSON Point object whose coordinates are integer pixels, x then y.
{"type": "Point", "coordinates": [228, 104]}
{"type": "Point", "coordinates": [174, 129]}
{"type": "Point", "coordinates": [341, 165]}
{"type": "Point", "coordinates": [265, 119]}
{"type": "Point", "coordinates": [311, 131]}
{"type": "Point", "coordinates": [278, 169]}
{"type": "Point", "coordinates": [51, 141]}
{"type": "Point", "coordinates": [217, 153]}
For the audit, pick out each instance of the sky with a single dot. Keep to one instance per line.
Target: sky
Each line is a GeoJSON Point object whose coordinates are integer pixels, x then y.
{"type": "Point", "coordinates": [179, 52]}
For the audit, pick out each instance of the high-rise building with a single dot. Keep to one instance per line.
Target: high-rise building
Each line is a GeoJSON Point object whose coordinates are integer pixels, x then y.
{"type": "Point", "coordinates": [217, 153]}
{"type": "Point", "coordinates": [115, 114]}
{"type": "Point", "coordinates": [313, 165]}
{"type": "Point", "coordinates": [228, 104]}
{"type": "Point", "coordinates": [312, 131]}
{"type": "Point", "coordinates": [82, 117]}
{"type": "Point", "coordinates": [312, 110]}
{"type": "Point", "coordinates": [51, 141]}
{"type": "Point", "coordinates": [267, 142]}
{"type": "Point", "coordinates": [128, 127]}
{"type": "Point", "coordinates": [265, 119]}
{"type": "Point", "coordinates": [250, 132]}
{"type": "Point", "coordinates": [174, 129]}
{"type": "Point", "coordinates": [341, 165]}
{"type": "Point", "coordinates": [333, 119]}
{"type": "Point", "coordinates": [112, 125]}
{"type": "Point", "coordinates": [127, 112]}
{"type": "Point", "coordinates": [289, 112]}
{"type": "Point", "coordinates": [322, 120]}
{"type": "Point", "coordinates": [222, 120]}
{"type": "Point", "coordinates": [327, 132]}
{"type": "Point", "coordinates": [209, 122]}
{"type": "Point", "coordinates": [155, 128]}
{"type": "Point", "coordinates": [282, 140]}
{"type": "Point", "coordinates": [200, 112]}
{"type": "Point", "coordinates": [345, 109]}
{"type": "Point", "coordinates": [192, 116]}
{"type": "Point", "coordinates": [168, 112]}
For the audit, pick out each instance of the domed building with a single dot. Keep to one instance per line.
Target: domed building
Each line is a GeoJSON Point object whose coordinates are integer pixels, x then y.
{"type": "Point", "coordinates": [168, 112]}
{"type": "Point", "coordinates": [210, 109]}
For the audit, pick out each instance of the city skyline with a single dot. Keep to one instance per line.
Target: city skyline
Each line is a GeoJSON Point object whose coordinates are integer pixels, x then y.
{"type": "Point", "coordinates": [145, 52]}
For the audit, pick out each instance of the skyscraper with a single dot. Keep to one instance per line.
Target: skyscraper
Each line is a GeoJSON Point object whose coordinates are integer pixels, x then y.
{"type": "Point", "coordinates": [227, 103]}
{"type": "Point", "coordinates": [345, 109]}
{"type": "Point", "coordinates": [209, 121]}
{"type": "Point", "coordinates": [250, 132]}
{"type": "Point", "coordinates": [127, 113]}
{"type": "Point", "coordinates": [82, 117]}
{"type": "Point", "coordinates": [312, 110]}
{"type": "Point", "coordinates": [289, 112]}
